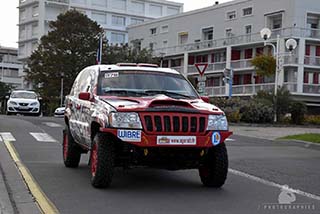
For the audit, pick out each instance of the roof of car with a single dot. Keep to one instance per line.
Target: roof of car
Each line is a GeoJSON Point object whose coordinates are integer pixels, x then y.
{"type": "Point", "coordinates": [24, 91]}
{"type": "Point", "coordinates": [137, 67]}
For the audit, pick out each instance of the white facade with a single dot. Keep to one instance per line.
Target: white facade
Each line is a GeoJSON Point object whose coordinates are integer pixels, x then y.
{"type": "Point", "coordinates": [227, 36]}
{"type": "Point", "coordinates": [113, 15]}
{"type": "Point", "coordinates": [11, 69]}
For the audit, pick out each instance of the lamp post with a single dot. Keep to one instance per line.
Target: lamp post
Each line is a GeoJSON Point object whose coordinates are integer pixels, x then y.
{"type": "Point", "coordinates": [61, 91]}
{"type": "Point", "coordinates": [291, 44]}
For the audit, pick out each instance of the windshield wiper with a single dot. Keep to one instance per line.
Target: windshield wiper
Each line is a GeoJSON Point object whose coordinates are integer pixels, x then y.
{"type": "Point", "coordinates": [123, 91]}
{"type": "Point", "coordinates": [167, 93]}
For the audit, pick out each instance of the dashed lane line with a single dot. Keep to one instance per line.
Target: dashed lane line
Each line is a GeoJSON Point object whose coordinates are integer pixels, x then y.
{"type": "Point", "coordinates": [42, 137]}
{"type": "Point", "coordinates": [46, 206]}
{"type": "Point", "coordinates": [7, 136]}
{"type": "Point", "coordinates": [230, 140]}
{"type": "Point", "coordinates": [273, 184]}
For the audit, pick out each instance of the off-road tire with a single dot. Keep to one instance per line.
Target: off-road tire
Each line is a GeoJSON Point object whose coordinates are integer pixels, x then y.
{"type": "Point", "coordinates": [102, 161]}
{"type": "Point", "coordinates": [214, 169]}
{"type": "Point", "coordinates": [71, 152]}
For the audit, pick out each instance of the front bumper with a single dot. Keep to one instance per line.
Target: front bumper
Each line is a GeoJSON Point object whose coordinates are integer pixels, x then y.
{"type": "Point", "coordinates": [149, 140]}
{"type": "Point", "coordinates": [30, 110]}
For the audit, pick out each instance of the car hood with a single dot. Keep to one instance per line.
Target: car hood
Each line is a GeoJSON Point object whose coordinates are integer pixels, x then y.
{"type": "Point", "coordinates": [21, 100]}
{"type": "Point", "coordinates": [161, 103]}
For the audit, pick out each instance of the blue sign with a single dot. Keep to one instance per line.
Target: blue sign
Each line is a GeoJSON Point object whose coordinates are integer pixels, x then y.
{"type": "Point", "coordinates": [216, 138]}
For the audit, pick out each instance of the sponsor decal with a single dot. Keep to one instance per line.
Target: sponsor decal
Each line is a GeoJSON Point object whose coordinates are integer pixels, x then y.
{"type": "Point", "coordinates": [111, 75]}
{"type": "Point", "coordinates": [176, 140]}
{"type": "Point", "coordinates": [216, 138]}
{"type": "Point", "coordinates": [129, 135]}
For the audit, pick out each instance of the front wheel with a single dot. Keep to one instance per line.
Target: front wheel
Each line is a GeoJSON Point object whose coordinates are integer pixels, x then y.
{"type": "Point", "coordinates": [70, 150]}
{"type": "Point", "coordinates": [214, 169]}
{"type": "Point", "coordinates": [102, 161]}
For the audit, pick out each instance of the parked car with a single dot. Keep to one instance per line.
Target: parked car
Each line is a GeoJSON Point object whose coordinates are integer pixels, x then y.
{"type": "Point", "coordinates": [23, 102]}
{"type": "Point", "coordinates": [140, 115]}
{"type": "Point", "coordinates": [59, 112]}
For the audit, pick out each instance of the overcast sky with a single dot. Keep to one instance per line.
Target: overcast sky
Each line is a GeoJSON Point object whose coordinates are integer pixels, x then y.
{"type": "Point", "coordinates": [9, 18]}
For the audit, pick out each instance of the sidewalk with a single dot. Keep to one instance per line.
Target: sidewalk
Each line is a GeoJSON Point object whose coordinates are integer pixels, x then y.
{"type": "Point", "coordinates": [270, 133]}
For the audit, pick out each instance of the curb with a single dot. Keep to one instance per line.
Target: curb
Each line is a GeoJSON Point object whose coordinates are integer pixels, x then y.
{"type": "Point", "coordinates": [20, 199]}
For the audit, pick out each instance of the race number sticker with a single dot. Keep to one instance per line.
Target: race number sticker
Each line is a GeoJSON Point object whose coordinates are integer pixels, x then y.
{"type": "Point", "coordinates": [111, 75]}
{"type": "Point", "coordinates": [129, 135]}
{"type": "Point", "coordinates": [216, 138]}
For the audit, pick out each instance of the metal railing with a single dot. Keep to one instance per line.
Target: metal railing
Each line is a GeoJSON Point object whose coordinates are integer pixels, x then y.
{"type": "Point", "coordinates": [178, 68]}
{"type": "Point", "coordinates": [251, 89]}
{"type": "Point", "coordinates": [289, 60]}
{"type": "Point", "coordinates": [243, 63]}
{"type": "Point", "coordinates": [310, 60]}
{"type": "Point", "coordinates": [241, 39]}
{"type": "Point", "coordinates": [59, 1]}
{"type": "Point", "coordinates": [290, 86]}
{"type": "Point", "coordinates": [216, 91]}
{"type": "Point", "coordinates": [311, 89]}
{"type": "Point", "coordinates": [218, 66]}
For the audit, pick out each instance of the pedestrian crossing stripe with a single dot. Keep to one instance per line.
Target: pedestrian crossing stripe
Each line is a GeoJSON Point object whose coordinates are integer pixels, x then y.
{"type": "Point", "coordinates": [42, 137]}
{"type": "Point", "coordinates": [52, 125]}
{"type": "Point", "coordinates": [7, 136]}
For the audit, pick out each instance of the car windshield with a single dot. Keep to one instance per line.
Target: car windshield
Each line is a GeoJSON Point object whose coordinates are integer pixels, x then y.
{"type": "Point", "coordinates": [24, 95]}
{"type": "Point", "coordinates": [144, 83]}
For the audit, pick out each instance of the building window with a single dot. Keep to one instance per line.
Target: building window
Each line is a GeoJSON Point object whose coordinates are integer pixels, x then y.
{"type": "Point", "coordinates": [313, 20]}
{"type": "Point", "coordinates": [135, 21]}
{"type": "Point", "coordinates": [118, 21]}
{"type": "Point", "coordinates": [155, 10]}
{"type": "Point", "coordinates": [102, 3]}
{"type": "Point", "coordinates": [165, 29]}
{"type": "Point", "coordinates": [34, 29]}
{"type": "Point", "coordinates": [137, 7]}
{"type": "Point", "coordinates": [183, 38]}
{"type": "Point", "coordinates": [117, 38]}
{"type": "Point", "coordinates": [207, 33]}
{"type": "Point", "coordinates": [23, 14]}
{"type": "Point", "coordinates": [229, 33]}
{"type": "Point", "coordinates": [35, 11]}
{"type": "Point", "coordinates": [119, 4]}
{"type": "Point", "coordinates": [153, 31]}
{"type": "Point", "coordinates": [247, 11]}
{"type": "Point", "coordinates": [172, 11]}
{"type": "Point", "coordinates": [165, 44]}
{"type": "Point", "coordinates": [248, 29]}
{"type": "Point", "coordinates": [151, 45]}
{"type": "Point", "coordinates": [231, 15]}
{"type": "Point", "coordinates": [274, 21]}
{"type": "Point", "coordinates": [22, 32]}
{"type": "Point", "coordinates": [101, 18]}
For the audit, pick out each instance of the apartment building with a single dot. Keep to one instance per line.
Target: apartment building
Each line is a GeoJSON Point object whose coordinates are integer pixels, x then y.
{"type": "Point", "coordinates": [11, 69]}
{"type": "Point", "coordinates": [228, 36]}
{"type": "Point", "coordinates": [113, 15]}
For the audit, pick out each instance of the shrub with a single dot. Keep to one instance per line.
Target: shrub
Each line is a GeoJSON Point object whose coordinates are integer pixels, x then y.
{"type": "Point", "coordinates": [232, 115]}
{"type": "Point", "coordinates": [297, 110]}
{"type": "Point", "coordinates": [255, 112]}
{"type": "Point", "coordinates": [312, 119]}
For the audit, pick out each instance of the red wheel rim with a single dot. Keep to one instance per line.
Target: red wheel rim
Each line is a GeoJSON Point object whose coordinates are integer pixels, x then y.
{"type": "Point", "coordinates": [94, 159]}
{"type": "Point", "coordinates": [65, 146]}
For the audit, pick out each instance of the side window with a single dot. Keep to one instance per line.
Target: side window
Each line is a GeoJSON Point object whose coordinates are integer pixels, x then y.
{"type": "Point", "coordinates": [84, 81]}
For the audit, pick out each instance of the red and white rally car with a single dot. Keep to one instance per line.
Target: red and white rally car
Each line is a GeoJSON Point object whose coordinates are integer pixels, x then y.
{"type": "Point", "coordinates": [141, 115]}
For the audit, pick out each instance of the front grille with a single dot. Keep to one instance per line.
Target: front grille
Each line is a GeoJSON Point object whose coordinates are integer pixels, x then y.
{"type": "Point", "coordinates": [171, 123]}
{"type": "Point", "coordinates": [23, 104]}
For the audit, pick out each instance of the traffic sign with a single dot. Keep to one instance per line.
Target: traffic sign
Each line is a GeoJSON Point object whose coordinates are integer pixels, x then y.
{"type": "Point", "coordinates": [201, 67]}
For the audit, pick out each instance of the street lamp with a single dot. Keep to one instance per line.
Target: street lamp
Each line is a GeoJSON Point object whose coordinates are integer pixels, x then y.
{"type": "Point", "coordinates": [61, 91]}
{"type": "Point", "coordinates": [291, 44]}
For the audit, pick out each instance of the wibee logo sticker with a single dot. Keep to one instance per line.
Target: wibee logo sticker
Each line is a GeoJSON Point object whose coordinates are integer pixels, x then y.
{"type": "Point", "coordinates": [129, 135]}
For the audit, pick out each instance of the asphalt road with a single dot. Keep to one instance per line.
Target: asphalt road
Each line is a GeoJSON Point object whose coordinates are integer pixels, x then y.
{"type": "Point", "coordinates": [258, 170]}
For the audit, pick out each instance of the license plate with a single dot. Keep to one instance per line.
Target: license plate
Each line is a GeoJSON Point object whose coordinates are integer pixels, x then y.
{"type": "Point", "coordinates": [176, 140]}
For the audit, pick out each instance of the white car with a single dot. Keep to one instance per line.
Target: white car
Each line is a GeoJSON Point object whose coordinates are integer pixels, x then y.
{"type": "Point", "coordinates": [59, 112]}
{"type": "Point", "coordinates": [23, 102]}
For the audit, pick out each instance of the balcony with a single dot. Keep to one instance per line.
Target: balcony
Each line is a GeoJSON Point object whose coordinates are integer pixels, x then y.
{"type": "Point", "coordinates": [311, 89]}
{"type": "Point", "coordinates": [216, 91]}
{"type": "Point", "coordinates": [241, 64]}
{"type": "Point", "coordinates": [212, 67]}
{"type": "Point", "coordinates": [252, 88]}
{"type": "Point", "coordinates": [238, 40]}
{"type": "Point", "coordinates": [291, 86]}
{"type": "Point", "coordinates": [58, 1]}
{"type": "Point", "coordinates": [312, 61]}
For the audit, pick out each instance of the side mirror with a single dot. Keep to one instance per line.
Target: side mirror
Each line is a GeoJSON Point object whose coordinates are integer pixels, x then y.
{"type": "Point", "coordinates": [205, 99]}
{"type": "Point", "coordinates": [84, 96]}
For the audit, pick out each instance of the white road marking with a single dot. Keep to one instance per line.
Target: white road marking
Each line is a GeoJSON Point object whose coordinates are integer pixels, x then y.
{"type": "Point", "coordinates": [42, 137]}
{"type": "Point", "coordinates": [273, 184]}
{"type": "Point", "coordinates": [7, 136]}
{"type": "Point", "coordinates": [230, 139]}
{"type": "Point", "coordinates": [52, 125]}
